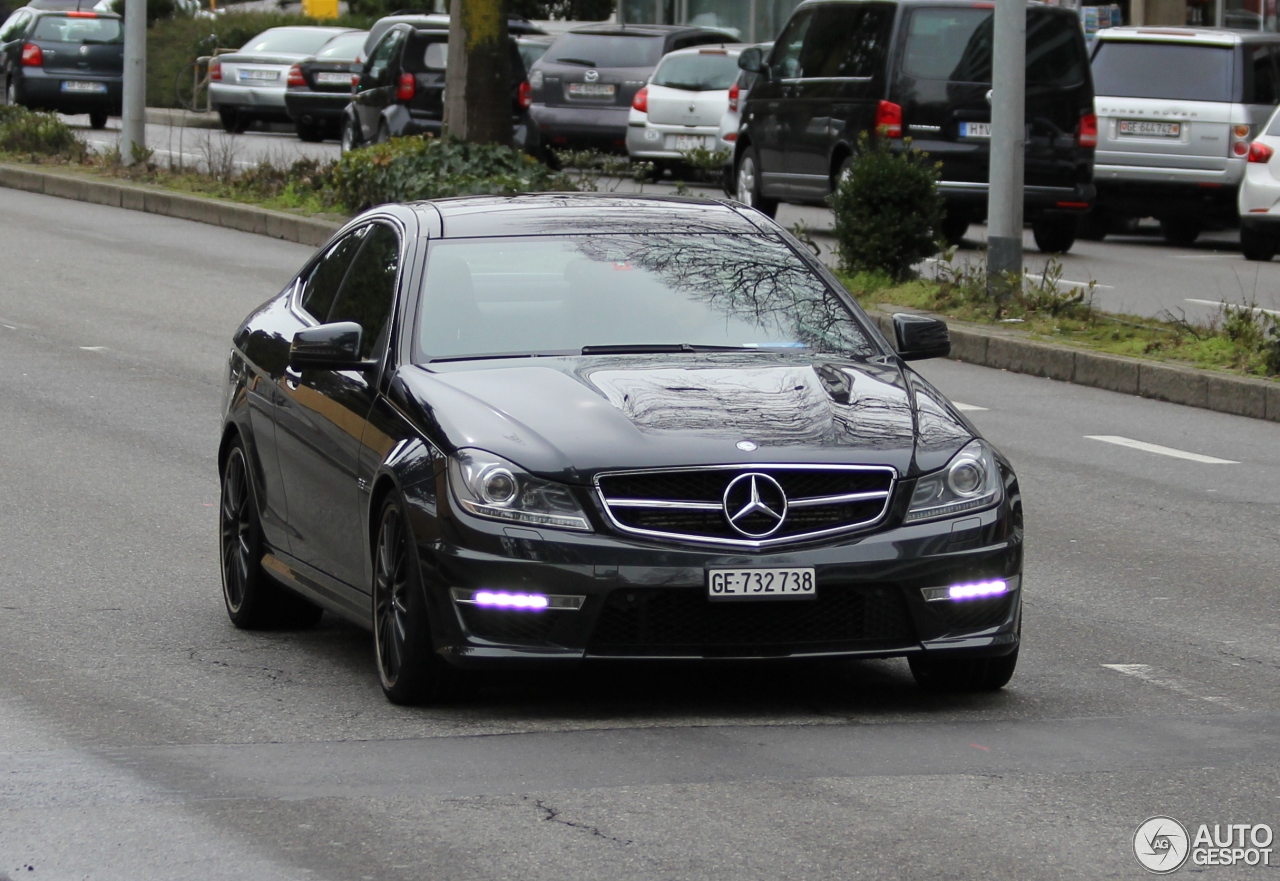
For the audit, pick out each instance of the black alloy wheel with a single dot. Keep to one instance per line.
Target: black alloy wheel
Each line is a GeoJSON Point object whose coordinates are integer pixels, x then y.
{"type": "Point", "coordinates": [1257, 245]}
{"type": "Point", "coordinates": [747, 178]}
{"type": "Point", "coordinates": [1179, 231]}
{"type": "Point", "coordinates": [350, 139]}
{"type": "Point", "coordinates": [311, 132]}
{"type": "Point", "coordinates": [1055, 233]}
{"type": "Point", "coordinates": [963, 674]}
{"type": "Point", "coordinates": [233, 121]}
{"type": "Point", "coordinates": [254, 601]}
{"type": "Point", "coordinates": [410, 672]}
{"type": "Point", "coordinates": [98, 119]}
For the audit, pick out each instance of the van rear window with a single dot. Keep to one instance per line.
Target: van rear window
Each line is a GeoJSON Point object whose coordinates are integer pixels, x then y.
{"type": "Point", "coordinates": [954, 44]}
{"type": "Point", "coordinates": [1187, 73]}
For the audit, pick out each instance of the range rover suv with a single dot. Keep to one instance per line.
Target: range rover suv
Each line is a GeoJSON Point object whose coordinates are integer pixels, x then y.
{"type": "Point", "coordinates": [918, 69]}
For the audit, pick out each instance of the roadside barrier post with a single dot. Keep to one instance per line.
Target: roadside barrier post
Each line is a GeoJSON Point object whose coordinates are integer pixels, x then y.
{"type": "Point", "coordinates": [133, 116]}
{"type": "Point", "coordinates": [1008, 144]}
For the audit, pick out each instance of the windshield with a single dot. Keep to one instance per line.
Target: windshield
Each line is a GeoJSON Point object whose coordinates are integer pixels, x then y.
{"type": "Point", "coordinates": [954, 43]}
{"type": "Point", "coordinates": [709, 70]}
{"type": "Point", "coordinates": [289, 41]}
{"type": "Point", "coordinates": [1187, 73]}
{"type": "Point", "coordinates": [605, 50]}
{"type": "Point", "coordinates": [344, 48]}
{"type": "Point", "coordinates": [63, 29]}
{"type": "Point", "coordinates": [567, 294]}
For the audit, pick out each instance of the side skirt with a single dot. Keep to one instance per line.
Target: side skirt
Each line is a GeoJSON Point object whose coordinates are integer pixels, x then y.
{"type": "Point", "coordinates": [333, 595]}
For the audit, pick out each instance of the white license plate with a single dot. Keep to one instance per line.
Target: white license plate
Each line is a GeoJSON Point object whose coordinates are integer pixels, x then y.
{"type": "Point", "coordinates": [975, 130]}
{"type": "Point", "coordinates": [592, 90]}
{"type": "Point", "coordinates": [260, 76]}
{"type": "Point", "coordinates": [1144, 129]}
{"type": "Point", "coordinates": [91, 88]}
{"type": "Point", "coordinates": [684, 142]}
{"type": "Point", "coordinates": [333, 79]}
{"type": "Point", "coordinates": [761, 584]}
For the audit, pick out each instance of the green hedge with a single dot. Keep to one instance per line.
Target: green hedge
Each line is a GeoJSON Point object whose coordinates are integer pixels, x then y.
{"type": "Point", "coordinates": [404, 169]}
{"type": "Point", "coordinates": [31, 133]}
{"type": "Point", "coordinates": [173, 43]}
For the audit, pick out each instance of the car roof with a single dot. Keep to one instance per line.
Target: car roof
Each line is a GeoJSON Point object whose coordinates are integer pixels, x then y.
{"type": "Point", "coordinates": [1175, 34]}
{"type": "Point", "coordinates": [710, 49]}
{"type": "Point", "coordinates": [643, 30]}
{"type": "Point", "coordinates": [586, 214]}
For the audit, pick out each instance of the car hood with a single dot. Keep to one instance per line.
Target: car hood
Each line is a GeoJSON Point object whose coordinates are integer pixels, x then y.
{"type": "Point", "coordinates": [569, 418]}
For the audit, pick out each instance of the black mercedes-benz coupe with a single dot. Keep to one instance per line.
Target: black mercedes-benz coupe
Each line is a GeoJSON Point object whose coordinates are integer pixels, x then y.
{"type": "Point", "coordinates": [556, 428]}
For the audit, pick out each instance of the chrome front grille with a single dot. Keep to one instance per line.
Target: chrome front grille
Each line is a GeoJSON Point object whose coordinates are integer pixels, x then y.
{"type": "Point", "coordinates": [714, 504]}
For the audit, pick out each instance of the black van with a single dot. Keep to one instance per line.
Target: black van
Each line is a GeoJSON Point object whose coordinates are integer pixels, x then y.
{"type": "Point", "coordinates": [918, 69]}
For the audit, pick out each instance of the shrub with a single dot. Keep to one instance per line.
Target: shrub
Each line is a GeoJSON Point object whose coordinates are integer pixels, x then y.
{"type": "Point", "coordinates": [33, 133]}
{"type": "Point", "coordinates": [428, 168]}
{"type": "Point", "coordinates": [887, 210]}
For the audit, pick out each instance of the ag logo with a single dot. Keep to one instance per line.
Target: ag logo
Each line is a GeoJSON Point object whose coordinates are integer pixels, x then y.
{"type": "Point", "coordinates": [1161, 844]}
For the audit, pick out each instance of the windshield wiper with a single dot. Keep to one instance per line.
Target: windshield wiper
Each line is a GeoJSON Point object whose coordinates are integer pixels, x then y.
{"type": "Point", "coordinates": [494, 356]}
{"type": "Point", "coordinates": [584, 62]}
{"type": "Point", "coordinates": [658, 349]}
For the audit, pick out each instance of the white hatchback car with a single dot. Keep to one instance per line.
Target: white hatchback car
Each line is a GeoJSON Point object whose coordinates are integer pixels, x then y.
{"type": "Point", "coordinates": [681, 107]}
{"type": "Point", "coordinates": [1259, 199]}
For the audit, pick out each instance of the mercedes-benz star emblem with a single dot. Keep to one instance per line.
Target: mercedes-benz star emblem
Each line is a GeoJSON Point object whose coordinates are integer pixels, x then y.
{"type": "Point", "coordinates": [755, 505]}
{"type": "Point", "coordinates": [591, 76]}
{"type": "Point", "coordinates": [746, 446]}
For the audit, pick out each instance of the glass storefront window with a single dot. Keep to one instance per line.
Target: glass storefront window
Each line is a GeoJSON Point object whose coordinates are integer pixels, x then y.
{"type": "Point", "coordinates": [753, 21]}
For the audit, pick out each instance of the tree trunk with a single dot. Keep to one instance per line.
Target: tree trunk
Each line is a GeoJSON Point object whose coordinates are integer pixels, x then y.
{"type": "Point", "coordinates": [478, 80]}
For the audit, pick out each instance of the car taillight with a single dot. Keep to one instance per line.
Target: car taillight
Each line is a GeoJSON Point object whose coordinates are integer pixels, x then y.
{"type": "Point", "coordinates": [641, 100]}
{"type": "Point", "coordinates": [889, 120]}
{"type": "Point", "coordinates": [32, 56]}
{"type": "Point", "coordinates": [1088, 133]}
{"type": "Point", "coordinates": [525, 96]}
{"type": "Point", "coordinates": [296, 80]}
{"type": "Point", "coordinates": [408, 87]}
{"type": "Point", "coordinates": [1239, 140]}
{"type": "Point", "coordinates": [1259, 152]}
{"type": "Point", "coordinates": [76, 13]}
{"type": "Point", "coordinates": [734, 92]}
{"type": "Point", "coordinates": [215, 71]}
{"type": "Point", "coordinates": [1240, 148]}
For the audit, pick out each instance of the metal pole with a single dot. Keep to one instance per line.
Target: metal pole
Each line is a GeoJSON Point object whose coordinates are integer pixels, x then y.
{"type": "Point", "coordinates": [133, 117]}
{"type": "Point", "coordinates": [1008, 141]}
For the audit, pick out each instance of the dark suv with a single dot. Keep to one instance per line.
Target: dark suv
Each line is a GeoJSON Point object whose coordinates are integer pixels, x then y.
{"type": "Point", "coordinates": [71, 62]}
{"type": "Point", "coordinates": [918, 69]}
{"type": "Point", "coordinates": [584, 84]}
{"type": "Point", "coordinates": [400, 90]}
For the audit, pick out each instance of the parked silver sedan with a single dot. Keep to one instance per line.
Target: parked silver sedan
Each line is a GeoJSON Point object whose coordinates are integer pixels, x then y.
{"type": "Point", "coordinates": [248, 85]}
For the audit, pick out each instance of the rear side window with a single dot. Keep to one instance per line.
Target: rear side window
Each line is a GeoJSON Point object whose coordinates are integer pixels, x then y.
{"type": "Point", "coordinates": [1187, 73]}
{"type": "Point", "coordinates": [63, 29]}
{"type": "Point", "coordinates": [703, 72]}
{"type": "Point", "coordinates": [1260, 84]}
{"type": "Point", "coordinates": [291, 41]}
{"type": "Point", "coordinates": [846, 41]}
{"type": "Point", "coordinates": [344, 48]}
{"type": "Point", "coordinates": [955, 44]}
{"type": "Point", "coordinates": [605, 50]}
{"type": "Point", "coordinates": [321, 286]}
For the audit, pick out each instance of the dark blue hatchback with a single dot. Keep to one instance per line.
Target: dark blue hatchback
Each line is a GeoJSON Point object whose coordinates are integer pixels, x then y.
{"type": "Point", "coordinates": [67, 61]}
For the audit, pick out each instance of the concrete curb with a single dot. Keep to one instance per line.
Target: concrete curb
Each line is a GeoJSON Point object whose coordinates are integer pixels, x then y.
{"type": "Point", "coordinates": [182, 118]}
{"type": "Point", "coordinates": [246, 218]}
{"type": "Point", "coordinates": [1238, 395]}
{"type": "Point", "coordinates": [1206, 389]}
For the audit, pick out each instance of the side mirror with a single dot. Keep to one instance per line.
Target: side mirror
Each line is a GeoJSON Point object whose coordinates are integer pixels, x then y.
{"type": "Point", "coordinates": [921, 336]}
{"type": "Point", "coordinates": [329, 347]}
{"type": "Point", "coordinates": [752, 60]}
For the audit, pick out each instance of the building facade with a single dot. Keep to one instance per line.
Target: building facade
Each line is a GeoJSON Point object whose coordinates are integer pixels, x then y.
{"type": "Point", "coordinates": [754, 21]}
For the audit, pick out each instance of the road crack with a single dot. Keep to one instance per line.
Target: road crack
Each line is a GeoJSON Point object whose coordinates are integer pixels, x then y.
{"type": "Point", "coordinates": [552, 814]}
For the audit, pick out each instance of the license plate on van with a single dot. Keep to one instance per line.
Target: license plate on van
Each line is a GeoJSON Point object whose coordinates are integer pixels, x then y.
{"type": "Point", "coordinates": [1142, 128]}
{"type": "Point", "coordinates": [975, 130]}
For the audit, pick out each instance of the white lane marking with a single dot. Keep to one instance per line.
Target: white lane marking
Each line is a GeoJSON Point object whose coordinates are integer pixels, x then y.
{"type": "Point", "coordinates": [967, 407]}
{"type": "Point", "coordinates": [1254, 309]}
{"type": "Point", "coordinates": [1149, 674]}
{"type": "Point", "coordinates": [1156, 448]}
{"type": "Point", "coordinates": [1202, 256]}
{"type": "Point", "coordinates": [1078, 284]}
{"type": "Point", "coordinates": [93, 348]}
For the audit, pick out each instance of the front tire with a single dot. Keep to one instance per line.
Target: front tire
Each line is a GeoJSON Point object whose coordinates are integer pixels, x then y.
{"type": "Point", "coordinates": [311, 132]}
{"type": "Point", "coordinates": [1055, 234]}
{"type": "Point", "coordinates": [408, 668]}
{"type": "Point", "coordinates": [747, 178]}
{"type": "Point", "coordinates": [12, 94]}
{"type": "Point", "coordinates": [98, 120]}
{"type": "Point", "coordinates": [350, 135]}
{"type": "Point", "coordinates": [963, 674]}
{"type": "Point", "coordinates": [1257, 245]}
{"type": "Point", "coordinates": [1179, 231]}
{"type": "Point", "coordinates": [955, 223]}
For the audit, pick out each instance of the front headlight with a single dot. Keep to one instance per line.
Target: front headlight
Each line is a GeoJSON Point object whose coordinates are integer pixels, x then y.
{"type": "Point", "coordinates": [489, 486]}
{"type": "Point", "coordinates": [970, 481]}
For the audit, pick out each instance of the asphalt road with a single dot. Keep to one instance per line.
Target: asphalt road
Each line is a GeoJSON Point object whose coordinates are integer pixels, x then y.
{"type": "Point", "coordinates": [142, 737]}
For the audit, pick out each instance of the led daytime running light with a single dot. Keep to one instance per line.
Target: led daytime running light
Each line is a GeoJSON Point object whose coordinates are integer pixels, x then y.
{"type": "Point", "coordinates": [503, 600]}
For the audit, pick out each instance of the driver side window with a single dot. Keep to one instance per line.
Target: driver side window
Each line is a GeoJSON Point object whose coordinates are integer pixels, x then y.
{"type": "Point", "coordinates": [785, 61]}
{"type": "Point", "coordinates": [378, 73]}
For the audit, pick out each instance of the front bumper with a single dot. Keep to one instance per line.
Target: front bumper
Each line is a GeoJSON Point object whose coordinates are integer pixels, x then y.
{"type": "Point", "coordinates": [643, 600]}
{"type": "Point", "coordinates": [1035, 199]}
